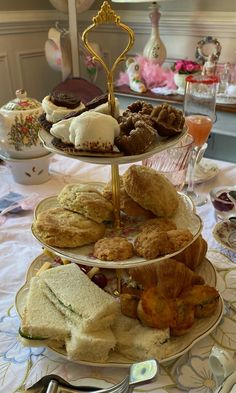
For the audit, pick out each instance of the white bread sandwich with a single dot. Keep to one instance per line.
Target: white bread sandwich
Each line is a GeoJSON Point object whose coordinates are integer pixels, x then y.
{"type": "Point", "coordinates": [91, 347]}
{"type": "Point", "coordinates": [139, 342]}
{"type": "Point", "coordinates": [41, 320]}
{"type": "Point", "coordinates": [78, 298]}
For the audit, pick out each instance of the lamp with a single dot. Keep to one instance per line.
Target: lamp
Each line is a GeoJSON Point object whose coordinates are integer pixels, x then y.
{"type": "Point", "coordinates": [154, 49]}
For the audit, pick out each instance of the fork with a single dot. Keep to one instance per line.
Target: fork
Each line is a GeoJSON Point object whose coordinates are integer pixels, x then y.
{"type": "Point", "coordinates": [139, 374]}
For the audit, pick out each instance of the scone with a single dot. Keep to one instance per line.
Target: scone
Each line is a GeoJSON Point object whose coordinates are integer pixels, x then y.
{"type": "Point", "coordinates": [151, 190]}
{"type": "Point", "coordinates": [86, 200]}
{"type": "Point", "coordinates": [127, 204]}
{"type": "Point", "coordinates": [59, 227]}
{"type": "Point", "coordinates": [113, 249]}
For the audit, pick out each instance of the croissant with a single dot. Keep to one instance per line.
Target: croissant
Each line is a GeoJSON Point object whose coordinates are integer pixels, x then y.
{"type": "Point", "coordinates": [174, 276]}
{"type": "Point", "coordinates": [193, 255]}
{"type": "Point", "coordinates": [144, 275]}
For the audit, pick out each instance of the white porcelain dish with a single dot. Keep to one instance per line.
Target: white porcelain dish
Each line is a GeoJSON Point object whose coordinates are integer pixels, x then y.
{"type": "Point", "coordinates": [225, 234]}
{"type": "Point", "coordinates": [185, 217]}
{"type": "Point", "coordinates": [178, 346]}
{"type": "Point", "coordinates": [205, 171]}
{"type": "Point", "coordinates": [159, 145]}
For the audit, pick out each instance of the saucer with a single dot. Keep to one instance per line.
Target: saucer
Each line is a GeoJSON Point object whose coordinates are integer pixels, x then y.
{"type": "Point", "coordinates": [205, 171]}
{"type": "Point", "coordinates": [225, 234]}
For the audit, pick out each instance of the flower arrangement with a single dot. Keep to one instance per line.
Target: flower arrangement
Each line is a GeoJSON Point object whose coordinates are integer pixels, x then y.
{"type": "Point", "coordinates": [186, 67]}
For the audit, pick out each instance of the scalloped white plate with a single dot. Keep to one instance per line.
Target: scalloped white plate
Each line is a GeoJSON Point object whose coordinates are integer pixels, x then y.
{"type": "Point", "coordinates": [185, 217]}
{"type": "Point", "coordinates": [176, 347]}
{"type": "Point", "coordinates": [160, 144]}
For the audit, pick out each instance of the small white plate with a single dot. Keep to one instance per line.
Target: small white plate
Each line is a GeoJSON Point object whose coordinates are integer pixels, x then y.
{"type": "Point", "coordinates": [225, 234]}
{"type": "Point", "coordinates": [205, 171]}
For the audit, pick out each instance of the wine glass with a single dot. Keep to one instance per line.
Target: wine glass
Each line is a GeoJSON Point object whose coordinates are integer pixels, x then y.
{"type": "Point", "coordinates": [199, 112]}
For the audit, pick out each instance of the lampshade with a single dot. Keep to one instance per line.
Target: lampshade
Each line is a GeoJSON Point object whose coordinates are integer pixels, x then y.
{"type": "Point", "coordinates": [154, 49]}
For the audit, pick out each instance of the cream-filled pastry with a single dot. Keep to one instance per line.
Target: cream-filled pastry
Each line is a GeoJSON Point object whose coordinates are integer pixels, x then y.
{"type": "Point", "coordinates": [55, 113]}
{"type": "Point", "coordinates": [61, 130]}
{"type": "Point", "coordinates": [94, 131]}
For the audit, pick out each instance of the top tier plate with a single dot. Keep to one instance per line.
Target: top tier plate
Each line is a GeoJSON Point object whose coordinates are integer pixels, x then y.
{"type": "Point", "coordinates": [159, 145]}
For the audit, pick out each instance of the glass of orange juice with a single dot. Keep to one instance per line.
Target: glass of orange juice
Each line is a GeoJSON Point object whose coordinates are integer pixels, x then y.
{"type": "Point", "coordinates": [199, 112]}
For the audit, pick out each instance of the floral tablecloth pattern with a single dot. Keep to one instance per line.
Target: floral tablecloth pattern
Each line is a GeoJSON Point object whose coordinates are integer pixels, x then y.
{"type": "Point", "coordinates": [22, 366]}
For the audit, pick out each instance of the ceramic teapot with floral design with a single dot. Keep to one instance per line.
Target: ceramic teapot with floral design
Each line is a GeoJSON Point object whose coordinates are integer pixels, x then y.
{"type": "Point", "coordinates": [19, 127]}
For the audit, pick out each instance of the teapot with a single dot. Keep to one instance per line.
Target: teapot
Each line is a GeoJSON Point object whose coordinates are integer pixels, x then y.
{"type": "Point", "coordinates": [19, 127]}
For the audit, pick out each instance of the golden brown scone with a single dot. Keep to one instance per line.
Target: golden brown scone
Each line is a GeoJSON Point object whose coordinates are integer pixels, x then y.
{"type": "Point", "coordinates": [152, 244]}
{"type": "Point", "coordinates": [159, 224]}
{"type": "Point", "coordinates": [127, 204]}
{"type": "Point", "coordinates": [155, 311]}
{"type": "Point", "coordinates": [193, 255]}
{"type": "Point", "coordinates": [151, 190]}
{"type": "Point", "coordinates": [86, 200]}
{"type": "Point", "coordinates": [204, 299]}
{"type": "Point", "coordinates": [174, 276]}
{"type": "Point", "coordinates": [179, 238]}
{"type": "Point", "coordinates": [113, 249]}
{"type": "Point", "coordinates": [59, 227]}
{"type": "Point", "coordinates": [184, 319]}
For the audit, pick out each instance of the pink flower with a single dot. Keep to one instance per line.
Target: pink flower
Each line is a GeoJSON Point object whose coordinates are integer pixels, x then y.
{"type": "Point", "coordinates": [185, 67]}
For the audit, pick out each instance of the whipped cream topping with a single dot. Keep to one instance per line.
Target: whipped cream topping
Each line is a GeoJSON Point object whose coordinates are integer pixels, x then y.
{"type": "Point", "coordinates": [104, 108]}
{"type": "Point", "coordinates": [61, 130]}
{"type": "Point", "coordinates": [55, 113]}
{"type": "Point", "coordinates": [94, 131]}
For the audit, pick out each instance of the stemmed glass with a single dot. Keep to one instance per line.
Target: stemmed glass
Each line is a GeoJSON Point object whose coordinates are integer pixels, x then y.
{"type": "Point", "coordinates": [199, 112]}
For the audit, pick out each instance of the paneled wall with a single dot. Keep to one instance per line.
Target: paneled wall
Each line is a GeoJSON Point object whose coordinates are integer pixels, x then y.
{"type": "Point", "coordinates": [23, 35]}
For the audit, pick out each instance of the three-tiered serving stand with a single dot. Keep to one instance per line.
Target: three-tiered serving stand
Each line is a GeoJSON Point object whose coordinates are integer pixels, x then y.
{"type": "Point", "coordinates": [82, 255]}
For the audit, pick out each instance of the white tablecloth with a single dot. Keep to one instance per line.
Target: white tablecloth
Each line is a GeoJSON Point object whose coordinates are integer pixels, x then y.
{"type": "Point", "coordinates": [18, 248]}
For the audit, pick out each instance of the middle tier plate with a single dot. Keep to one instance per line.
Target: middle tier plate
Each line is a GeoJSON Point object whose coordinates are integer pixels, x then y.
{"type": "Point", "coordinates": [185, 218]}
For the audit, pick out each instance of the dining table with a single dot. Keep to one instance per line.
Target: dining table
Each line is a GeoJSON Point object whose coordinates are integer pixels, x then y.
{"type": "Point", "coordinates": [21, 366]}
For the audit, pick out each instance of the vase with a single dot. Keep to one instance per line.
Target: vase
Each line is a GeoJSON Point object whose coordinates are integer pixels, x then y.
{"type": "Point", "coordinates": [180, 82]}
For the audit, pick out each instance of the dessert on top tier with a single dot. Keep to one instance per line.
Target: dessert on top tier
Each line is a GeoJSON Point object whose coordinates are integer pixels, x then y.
{"type": "Point", "coordinates": [57, 105]}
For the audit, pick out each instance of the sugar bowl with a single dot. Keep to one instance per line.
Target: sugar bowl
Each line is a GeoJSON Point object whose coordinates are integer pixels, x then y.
{"type": "Point", "coordinates": [19, 127]}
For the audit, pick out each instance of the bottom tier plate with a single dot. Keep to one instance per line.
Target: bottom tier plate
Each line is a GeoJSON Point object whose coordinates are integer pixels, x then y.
{"type": "Point", "coordinates": [177, 346]}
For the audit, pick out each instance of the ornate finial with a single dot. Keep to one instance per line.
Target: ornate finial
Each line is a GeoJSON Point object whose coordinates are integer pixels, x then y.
{"type": "Point", "coordinates": [107, 15]}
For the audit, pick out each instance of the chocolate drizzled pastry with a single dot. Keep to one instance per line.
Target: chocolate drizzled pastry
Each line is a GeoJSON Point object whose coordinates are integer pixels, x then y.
{"type": "Point", "coordinates": [65, 99]}
{"type": "Point", "coordinates": [141, 107]}
{"type": "Point", "coordinates": [99, 100]}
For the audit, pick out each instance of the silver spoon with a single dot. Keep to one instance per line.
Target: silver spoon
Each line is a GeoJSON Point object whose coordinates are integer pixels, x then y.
{"type": "Point", "coordinates": [232, 195]}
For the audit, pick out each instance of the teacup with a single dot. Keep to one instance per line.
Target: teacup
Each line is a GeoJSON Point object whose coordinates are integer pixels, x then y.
{"type": "Point", "coordinates": [222, 363]}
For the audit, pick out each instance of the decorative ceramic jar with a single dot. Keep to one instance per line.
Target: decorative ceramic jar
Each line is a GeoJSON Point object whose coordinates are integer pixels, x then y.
{"type": "Point", "coordinates": [180, 82]}
{"type": "Point", "coordinates": [19, 127]}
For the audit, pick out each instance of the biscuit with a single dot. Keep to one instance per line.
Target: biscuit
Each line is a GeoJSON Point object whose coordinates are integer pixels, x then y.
{"type": "Point", "coordinates": [151, 190]}
{"type": "Point", "coordinates": [153, 243]}
{"type": "Point", "coordinates": [86, 200]}
{"type": "Point", "coordinates": [113, 249]}
{"type": "Point", "coordinates": [59, 227]}
{"type": "Point", "coordinates": [127, 204]}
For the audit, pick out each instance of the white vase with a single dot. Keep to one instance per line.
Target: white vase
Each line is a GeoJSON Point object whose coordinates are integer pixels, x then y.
{"type": "Point", "coordinates": [180, 82]}
{"type": "Point", "coordinates": [154, 49]}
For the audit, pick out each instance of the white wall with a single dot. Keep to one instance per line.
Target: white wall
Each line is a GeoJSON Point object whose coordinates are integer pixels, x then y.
{"type": "Point", "coordinates": [23, 34]}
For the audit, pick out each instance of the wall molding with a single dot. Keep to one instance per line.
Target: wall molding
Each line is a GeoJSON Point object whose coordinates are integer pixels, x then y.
{"type": "Point", "coordinates": [24, 55]}
{"type": "Point", "coordinates": [180, 23]}
{"type": "Point", "coordinates": [7, 76]}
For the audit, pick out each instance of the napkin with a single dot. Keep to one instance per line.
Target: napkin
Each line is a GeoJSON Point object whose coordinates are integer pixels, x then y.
{"type": "Point", "coordinates": [10, 199]}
